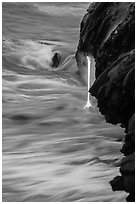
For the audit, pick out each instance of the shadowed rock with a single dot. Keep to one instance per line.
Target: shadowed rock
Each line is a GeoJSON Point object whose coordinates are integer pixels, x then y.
{"type": "Point", "coordinates": [56, 59]}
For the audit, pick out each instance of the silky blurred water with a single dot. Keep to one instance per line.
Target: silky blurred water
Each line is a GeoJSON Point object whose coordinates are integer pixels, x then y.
{"type": "Point", "coordinates": [53, 149]}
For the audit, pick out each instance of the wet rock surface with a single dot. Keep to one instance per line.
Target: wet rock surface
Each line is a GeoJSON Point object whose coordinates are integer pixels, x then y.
{"type": "Point", "coordinates": [56, 60]}
{"type": "Point", "coordinates": [107, 33]}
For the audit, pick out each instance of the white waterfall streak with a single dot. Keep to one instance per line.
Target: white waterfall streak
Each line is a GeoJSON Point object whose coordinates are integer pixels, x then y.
{"type": "Point", "coordinates": [88, 104]}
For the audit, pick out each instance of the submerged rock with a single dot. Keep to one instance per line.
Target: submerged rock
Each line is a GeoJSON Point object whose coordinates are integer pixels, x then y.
{"type": "Point", "coordinates": [107, 33]}
{"type": "Point", "coordinates": [56, 60]}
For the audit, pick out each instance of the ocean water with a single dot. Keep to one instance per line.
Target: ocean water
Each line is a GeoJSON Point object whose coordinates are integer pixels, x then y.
{"type": "Point", "coordinates": [53, 149]}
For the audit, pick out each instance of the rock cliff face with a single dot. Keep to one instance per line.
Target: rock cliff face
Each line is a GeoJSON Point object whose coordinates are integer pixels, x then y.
{"type": "Point", "coordinates": [107, 33]}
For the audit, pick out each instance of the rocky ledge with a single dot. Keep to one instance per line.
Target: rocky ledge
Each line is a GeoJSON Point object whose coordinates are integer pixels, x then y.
{"type": "Point", "coordinates": [107, 33]}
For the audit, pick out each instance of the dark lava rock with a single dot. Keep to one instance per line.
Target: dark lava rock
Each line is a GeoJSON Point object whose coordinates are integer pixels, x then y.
{"type": "Point", "coordinates": [117, 183]}
{"type": "Point", "coordinates": [56, 59]}
{"type": "Point", "coordinates": [107, 33]}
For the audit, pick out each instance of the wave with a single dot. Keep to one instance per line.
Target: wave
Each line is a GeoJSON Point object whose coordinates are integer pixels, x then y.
{"type": "Point", "coordinates": [27, 71]}
{"type": "Point", "coordinates": [30, 54]}
{"type": "Point", "coordinates": [38, 55]}
{"type": "Point", "coordinates": [62, 9]}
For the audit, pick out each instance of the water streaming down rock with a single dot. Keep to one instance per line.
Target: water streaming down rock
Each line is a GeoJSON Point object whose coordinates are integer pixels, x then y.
{"type": "Point", "coordinates": [91, 101]}
{"type": "Point", "coordinates": [88, 104]}
{"type": "Point", "coordinates": [108, 33]}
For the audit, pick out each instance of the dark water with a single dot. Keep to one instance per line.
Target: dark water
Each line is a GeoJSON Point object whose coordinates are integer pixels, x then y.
{"type": "Point", "coordinates": [53, 149]}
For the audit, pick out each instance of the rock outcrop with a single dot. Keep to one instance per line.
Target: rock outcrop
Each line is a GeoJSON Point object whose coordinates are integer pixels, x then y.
{"type": "Point", "coordinates": [107, 33]}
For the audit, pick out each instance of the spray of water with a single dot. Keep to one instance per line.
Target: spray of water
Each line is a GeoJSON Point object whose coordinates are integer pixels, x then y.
{"type": "Point", "coordinates": [88, 104]}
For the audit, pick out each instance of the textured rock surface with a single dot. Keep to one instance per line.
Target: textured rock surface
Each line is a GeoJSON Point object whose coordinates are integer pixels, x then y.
{"type": "Point", "coordinates": [107, 33]}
